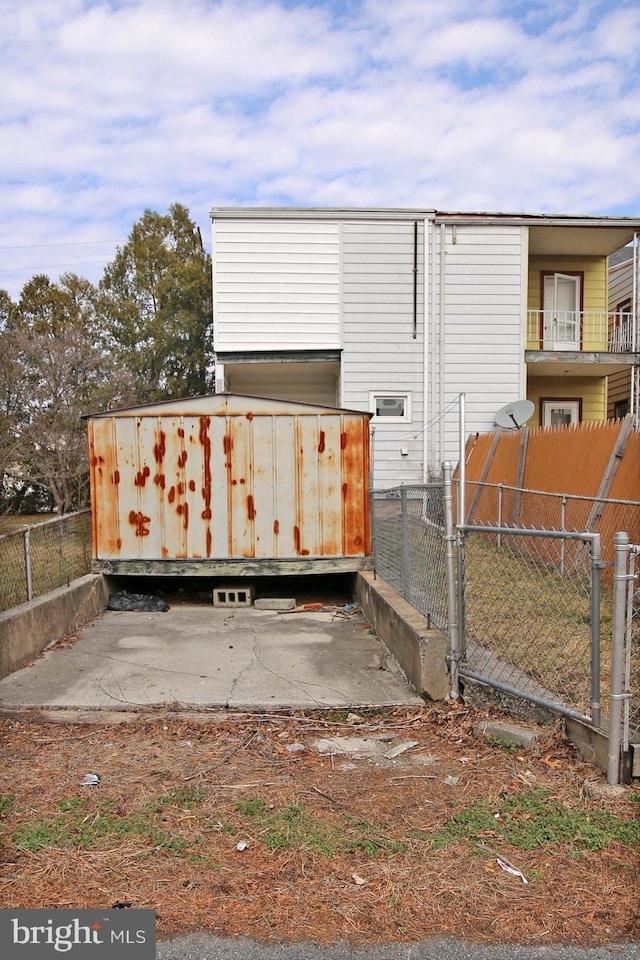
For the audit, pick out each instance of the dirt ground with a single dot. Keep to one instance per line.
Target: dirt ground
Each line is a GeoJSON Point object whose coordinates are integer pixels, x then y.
{"type": "Point", "coordinates": [308, 827]}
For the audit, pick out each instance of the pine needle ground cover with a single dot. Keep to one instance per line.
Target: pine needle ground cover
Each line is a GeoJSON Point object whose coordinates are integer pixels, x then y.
{"type": "Point", "coordinates": [370, 828]}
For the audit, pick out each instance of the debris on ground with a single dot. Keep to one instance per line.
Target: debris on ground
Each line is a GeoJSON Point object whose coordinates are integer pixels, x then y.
{"type": "Point", "coordinates": [241, 836]}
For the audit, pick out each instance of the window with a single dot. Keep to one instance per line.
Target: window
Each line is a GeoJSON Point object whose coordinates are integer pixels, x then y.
{"type": "Point", "coordinates": [390, 407]}
{"type": "Point", "coordinates": [556, 413]}
{"type": "Point", "coordinates": [621, 409]}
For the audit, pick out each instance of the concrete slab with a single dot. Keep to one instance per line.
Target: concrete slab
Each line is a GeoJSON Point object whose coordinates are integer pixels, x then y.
{"type": "Point", "coordinates": [206, 657]}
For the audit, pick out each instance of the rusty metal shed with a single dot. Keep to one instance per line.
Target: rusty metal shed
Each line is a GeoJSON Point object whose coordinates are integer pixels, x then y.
{"type": "Point", "coordinates": [229, 485]}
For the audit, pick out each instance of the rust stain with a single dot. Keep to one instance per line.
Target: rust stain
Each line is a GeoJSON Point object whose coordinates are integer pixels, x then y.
{"type": "Point", "coordinates": [116, 476]}
{"type": "Point", "coordinates": [296, 538]}
{"type": "Point", "coordinates": [181, 432]}
{"type": "Point", "coordinates": [205, 441]}
{"type": "Point", "coordinates": [304, 553]}
{"type": "Point", "coordinates": [181, 488]}
{"type": "Point", "coordinates": [227, 444]}
{"type": "Point", "coordinates": [321, 442]}
{"type": "Point", "coordinates": [185, 516]}
{"type": "Point", "coordinates": [160, 480]}
{"type": "Point", "coordinates": [233, 482]}
{"type": "Point", "coordinates": [119, 543]}
{"type": "Point", "coordinates": [209, 540]}
{"type": "Point", "coordinates": [172, 494]}
{"type": "Point", "coordinates": [139, 521]}
{"type": "Point", "coordinates": [182, 459]}
{"type": "Point", "coordinates": [141, 476]}
{"type": "Point", "coordinates": [251, 510]}
{"type": "Point", "coordinates": [192, 486]}
{"type": "Point", "coordinates": [249, 417]}
{"type": "Point", "coordinates": [343, 440]}
{"type": "Point", "coordinates": [160, 448]}
{"type": "Point", "coordinates": [276, 527]}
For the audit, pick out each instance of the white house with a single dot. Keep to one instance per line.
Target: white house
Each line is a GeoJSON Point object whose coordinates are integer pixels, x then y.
{"type": "Point", "coordinates": [400, 312]}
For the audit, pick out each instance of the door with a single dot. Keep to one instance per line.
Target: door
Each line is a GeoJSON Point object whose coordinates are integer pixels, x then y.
{"type": "Point", "coordinates": [561, 312]}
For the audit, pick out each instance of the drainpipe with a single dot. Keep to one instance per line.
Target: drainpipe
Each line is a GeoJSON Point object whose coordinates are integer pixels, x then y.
{"type": "Point", "coordinates": [441, 346]}
{"type": "Point", "coordinates": [426, 379]}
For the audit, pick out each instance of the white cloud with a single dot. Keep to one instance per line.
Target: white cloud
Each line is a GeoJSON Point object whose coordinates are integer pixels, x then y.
{"type": "Point", "coordinates": [107, 108]}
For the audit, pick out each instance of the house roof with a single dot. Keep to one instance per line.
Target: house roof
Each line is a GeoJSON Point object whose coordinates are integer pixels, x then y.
{"type": "Point", "coordinates": [549, 234]}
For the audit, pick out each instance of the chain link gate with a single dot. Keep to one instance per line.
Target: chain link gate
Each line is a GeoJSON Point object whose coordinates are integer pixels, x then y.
{"type": "Point", "coordinates": [529, 615]}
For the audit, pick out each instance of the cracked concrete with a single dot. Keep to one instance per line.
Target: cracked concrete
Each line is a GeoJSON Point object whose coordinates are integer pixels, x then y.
{"type": "Point", "coordinates": [206, 657]}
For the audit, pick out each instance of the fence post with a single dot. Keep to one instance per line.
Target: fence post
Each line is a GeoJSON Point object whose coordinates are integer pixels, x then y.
{"type": "Point", "coordinates": [616, 695]}
{"type": "Point", "coordinates": [596, 571]}
{"type": "Point", "coordinates": [454, 651]}
{"type": "Point", "coordinates": [27, 563]}
{"type": "Point", "coordinates": [563, 522]}
{"type": "Point", "coordinates": [405, 543]}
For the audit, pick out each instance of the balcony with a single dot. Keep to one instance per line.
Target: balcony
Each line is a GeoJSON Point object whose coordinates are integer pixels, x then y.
{"type": "Point", "coordinates": [581, 343]}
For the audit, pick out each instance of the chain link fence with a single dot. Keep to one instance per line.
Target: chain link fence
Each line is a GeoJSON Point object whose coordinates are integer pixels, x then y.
{"type": "Point", "coordinates": [43, 556]}
{"type": "Point", "coordinates": [408, 530]}
{"type": "Point", "coordinates": [505, 506]}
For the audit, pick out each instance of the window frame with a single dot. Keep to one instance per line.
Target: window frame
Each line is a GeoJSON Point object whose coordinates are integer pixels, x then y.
{"type": "Point", "coordinates": [574, 404]}
{"type": "Point", "coordinates": [375, 395]}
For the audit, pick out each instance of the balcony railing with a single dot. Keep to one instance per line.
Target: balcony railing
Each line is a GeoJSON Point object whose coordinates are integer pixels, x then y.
{"type": "Point", "coordinates": [580, 330]}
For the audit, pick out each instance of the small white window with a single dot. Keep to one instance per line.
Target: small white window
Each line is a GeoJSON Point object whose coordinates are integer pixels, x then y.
{"type": "Point", "coordinates": [390, 407]}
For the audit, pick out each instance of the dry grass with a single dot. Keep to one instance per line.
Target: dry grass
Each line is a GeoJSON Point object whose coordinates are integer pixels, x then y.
{"type": "Point", "coordinates": [338, 847]}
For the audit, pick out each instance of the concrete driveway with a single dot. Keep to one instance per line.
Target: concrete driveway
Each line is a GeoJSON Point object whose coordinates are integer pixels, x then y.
{"type": "Point", "coordinates": [211, 657]}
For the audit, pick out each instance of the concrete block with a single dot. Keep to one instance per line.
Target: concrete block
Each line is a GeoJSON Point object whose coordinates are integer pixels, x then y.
{"type": "Point", "coordinates": [274, 603]}
{"type": "Point", "coordinates": [522, 736]}
{"type": "Point", "coordinates": [236, 595]}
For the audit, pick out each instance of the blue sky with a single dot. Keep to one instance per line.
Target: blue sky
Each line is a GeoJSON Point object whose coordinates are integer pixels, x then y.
{"type": "Point", "coordinates": [114, 106]}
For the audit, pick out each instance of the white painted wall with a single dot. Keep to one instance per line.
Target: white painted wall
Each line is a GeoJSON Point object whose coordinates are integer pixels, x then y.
{"type": "Point", "coordinates": [477, 330]}
{"type": "Point", "coordinates": [380, 352]}
{"type": "Point", "coordinates": [276, 284]}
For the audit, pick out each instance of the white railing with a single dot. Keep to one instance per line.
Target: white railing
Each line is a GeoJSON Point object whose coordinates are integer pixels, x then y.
{"type": "Point", "coordinates": [580, 330]}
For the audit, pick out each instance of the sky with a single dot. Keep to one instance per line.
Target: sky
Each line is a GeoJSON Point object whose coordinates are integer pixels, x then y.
{"type": "Point", "coordinates": [112, 107]}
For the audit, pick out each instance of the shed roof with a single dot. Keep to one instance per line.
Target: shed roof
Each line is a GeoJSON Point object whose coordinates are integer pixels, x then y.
{"type": "Point", "coordinates": [222, 404]}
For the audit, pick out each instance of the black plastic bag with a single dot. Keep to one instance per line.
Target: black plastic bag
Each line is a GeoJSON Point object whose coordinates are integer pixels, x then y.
{"type": "Point", "coordinates": [137, 602]}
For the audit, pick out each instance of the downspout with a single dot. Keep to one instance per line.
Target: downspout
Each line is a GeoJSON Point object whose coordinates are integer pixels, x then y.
{"type": "Point", "coordinates": [426, 379]}
{"type": "Point", "coordinates": [441, 348]}
{"type": "Point", "coordinates": [634, 400]}
{"type": "Point", "coordinates": [415, 279]}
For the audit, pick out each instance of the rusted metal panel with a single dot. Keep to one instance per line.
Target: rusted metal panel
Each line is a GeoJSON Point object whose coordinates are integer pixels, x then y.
{"type": "Point", "coordinates": [230, 478]}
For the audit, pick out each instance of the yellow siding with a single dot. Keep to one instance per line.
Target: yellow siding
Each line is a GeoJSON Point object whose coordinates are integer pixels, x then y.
{"type": "Point", "coordinates": [591, 390]}
{"type": "Point", "coordinates": [594, 292]}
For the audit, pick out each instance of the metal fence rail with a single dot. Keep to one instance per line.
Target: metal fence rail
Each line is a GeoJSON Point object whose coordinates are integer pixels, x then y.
{"type": "Point", "coordinates": [624, 720]}
{"type": "Point", "coordinates": [500, 505]}
{"type": "Point", "coordinates": [409, 551]}
{"type": "Point", "coordinates": [41, 557]}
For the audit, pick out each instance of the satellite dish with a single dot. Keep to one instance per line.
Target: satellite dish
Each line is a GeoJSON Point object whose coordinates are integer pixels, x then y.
{"type": "Point", "coordinates": [513, 415]}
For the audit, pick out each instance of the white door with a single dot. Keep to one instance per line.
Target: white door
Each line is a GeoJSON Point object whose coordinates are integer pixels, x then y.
{"type": "Point", "coordinates": [561, 312]}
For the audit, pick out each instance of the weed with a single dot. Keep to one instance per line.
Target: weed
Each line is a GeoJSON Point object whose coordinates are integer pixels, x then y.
{"type": "Point", "coordinates": [6, 802]}
{"type": "Point", "coordinates": [293, 827]}
{"type": "Point", "coordinates": [530, 820]}
{"type": "Point", "coordinates": [504, 744]}
{"type": "Point", "coordinates": [74, 826]}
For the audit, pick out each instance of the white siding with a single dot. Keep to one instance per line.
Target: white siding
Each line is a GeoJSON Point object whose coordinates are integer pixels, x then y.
{"type": "Point", "coordinates": [484, 326]}
{"type": "Point", "coordinates": [379, 349]}
{"type": "Point", "coordinates": [276, 285]}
